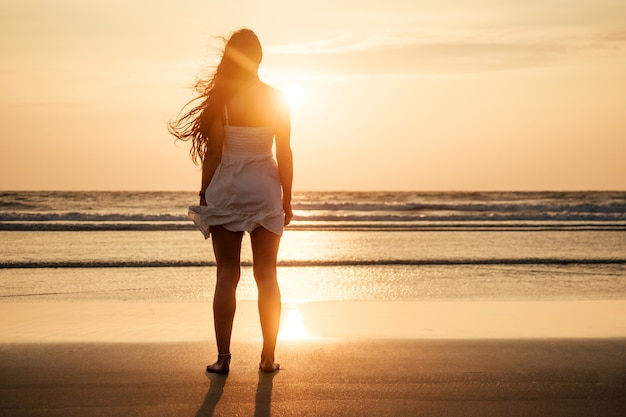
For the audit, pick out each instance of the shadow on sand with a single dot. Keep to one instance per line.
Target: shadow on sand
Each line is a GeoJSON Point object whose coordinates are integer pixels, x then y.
{"type": "Point", "coordinates": [263, 398]}
{"type": "Point", "coordinates": [213, 396]}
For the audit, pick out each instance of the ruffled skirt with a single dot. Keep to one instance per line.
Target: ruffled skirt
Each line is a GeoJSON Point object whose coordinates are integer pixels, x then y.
{"type": "Point", "coordinates": [244, 193]}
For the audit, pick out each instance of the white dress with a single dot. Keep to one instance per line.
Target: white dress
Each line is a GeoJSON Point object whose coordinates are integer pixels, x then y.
{"type": "Point", "coordinates": [245, 191]}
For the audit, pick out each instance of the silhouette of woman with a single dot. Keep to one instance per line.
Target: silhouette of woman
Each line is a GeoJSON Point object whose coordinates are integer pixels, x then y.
{"type": "Point", "coordinates": [244, 188]}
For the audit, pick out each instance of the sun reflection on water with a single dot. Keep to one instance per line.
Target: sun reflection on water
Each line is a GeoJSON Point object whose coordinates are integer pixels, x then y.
{"type": "Point", "coordinates": [292, 325]}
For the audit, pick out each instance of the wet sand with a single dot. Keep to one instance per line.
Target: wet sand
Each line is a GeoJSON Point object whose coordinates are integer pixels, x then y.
{"type": "Point", "coordinates": [364, 378]}
{"type": "Point", "coordinates": [113, 359]}
{"type": "Point", "coordinates": [62, 322]}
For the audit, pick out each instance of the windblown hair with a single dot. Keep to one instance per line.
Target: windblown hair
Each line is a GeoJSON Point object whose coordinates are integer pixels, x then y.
{"type": "Point", "coordinates": [239, 63]}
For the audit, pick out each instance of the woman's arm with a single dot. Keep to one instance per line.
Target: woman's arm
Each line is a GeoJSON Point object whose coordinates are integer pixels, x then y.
{"type": "Point", "coordinates": [213, 156]}
{"type": "Point", "coordinates": [284, 157]}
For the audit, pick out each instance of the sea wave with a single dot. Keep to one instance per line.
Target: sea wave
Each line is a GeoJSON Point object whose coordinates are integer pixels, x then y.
{"type": "Point", "coordinates": [492, 207]}
{"type": "Point", "coordinates": [316, 263]}
{"type": "Point", "coordinates": [336, 215]}
{"type": "Point", "coordinates": [83, 211]}
{"type": "Point", "coordinates": [89, 217]}
{"type": "Point", "coordinates": [16, 205]}
{"type": "Point", "coordinates": [331, 224]}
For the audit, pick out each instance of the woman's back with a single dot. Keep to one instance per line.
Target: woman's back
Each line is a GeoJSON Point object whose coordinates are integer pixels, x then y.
{"type": "Point", "coordinates": [253, 105]}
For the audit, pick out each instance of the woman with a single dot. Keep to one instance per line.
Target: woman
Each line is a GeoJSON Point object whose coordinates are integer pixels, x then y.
{"type": "Point", "coordinates": [244, 189]}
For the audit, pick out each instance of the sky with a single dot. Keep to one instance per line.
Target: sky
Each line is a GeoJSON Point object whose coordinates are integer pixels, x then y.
{"type": "Point", "coordinates": [446, 95]}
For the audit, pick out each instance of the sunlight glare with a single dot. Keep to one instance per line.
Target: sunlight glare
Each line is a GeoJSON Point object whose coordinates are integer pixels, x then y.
{"type": "Point", "coordinates": [295, 95]}
{"type": "Point", "coordinates": [292, 326]}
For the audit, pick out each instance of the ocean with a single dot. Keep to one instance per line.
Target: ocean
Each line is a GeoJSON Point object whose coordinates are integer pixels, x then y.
{"type": "Point", "coordinates": [369, 246]}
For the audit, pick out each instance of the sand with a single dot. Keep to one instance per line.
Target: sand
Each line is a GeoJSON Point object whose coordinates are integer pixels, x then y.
{"type": "Point", "coordinates": [61, 322]}
{"type": "Point", "coordinates": [556, 358]}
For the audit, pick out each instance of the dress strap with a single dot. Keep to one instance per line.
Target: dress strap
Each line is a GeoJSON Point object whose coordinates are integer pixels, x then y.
{"type": "Point", "coordinates": [226, 113]}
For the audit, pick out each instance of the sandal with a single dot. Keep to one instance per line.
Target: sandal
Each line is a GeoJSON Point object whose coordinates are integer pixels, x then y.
{"type": "Point", "coordinates": [217, 369]}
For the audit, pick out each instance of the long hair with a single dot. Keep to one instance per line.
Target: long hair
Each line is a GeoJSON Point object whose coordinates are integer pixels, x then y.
{"type": "Point", "coordinates": [239, 63]}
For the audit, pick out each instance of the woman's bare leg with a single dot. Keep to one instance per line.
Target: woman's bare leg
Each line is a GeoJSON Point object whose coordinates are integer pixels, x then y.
{"type": "Point", "coordinates": [227, 249]}
{"type": "Point", "coordinates": [264, 252]}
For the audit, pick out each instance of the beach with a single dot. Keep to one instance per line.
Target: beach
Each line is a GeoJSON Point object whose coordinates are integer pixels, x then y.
{"type": "Point", "coordinates": [394, 304]}
{"type": "Point", "coordinates": [136, 359]}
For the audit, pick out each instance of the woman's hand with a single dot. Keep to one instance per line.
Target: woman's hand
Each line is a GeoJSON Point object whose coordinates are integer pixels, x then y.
{"type": "Point", "coordinates": [288, 212]}
{"type": "Point", "coordinates": [203, 200]}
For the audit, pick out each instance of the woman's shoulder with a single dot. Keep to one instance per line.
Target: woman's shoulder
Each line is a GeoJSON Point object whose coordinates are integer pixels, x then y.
{"type": "Point", "coordinates": [272, 95]}
{"type": "Point", "coordinates": [277, 96]}
{"type": "Point", "coordinates": [271, 92]}
{"type": "Point", "coordinates": [257, 104]}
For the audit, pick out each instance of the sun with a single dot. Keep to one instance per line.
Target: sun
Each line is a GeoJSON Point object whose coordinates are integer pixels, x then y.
{"type": "Point", "coordinates": [295, 95]}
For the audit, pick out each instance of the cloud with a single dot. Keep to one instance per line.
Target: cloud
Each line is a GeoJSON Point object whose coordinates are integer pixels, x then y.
{"type": "Point", "coordinates": [470, 51]}
{"type": "Point", "coordinates": [461, 36]}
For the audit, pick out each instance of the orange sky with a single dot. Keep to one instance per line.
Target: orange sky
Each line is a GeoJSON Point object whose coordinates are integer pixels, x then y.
{"type": "Point", "coordinates": [396, 95]}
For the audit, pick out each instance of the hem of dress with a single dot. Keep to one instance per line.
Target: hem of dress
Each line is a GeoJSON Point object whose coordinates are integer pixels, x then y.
{"type": "Point", "coordinates": [232, 221]}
